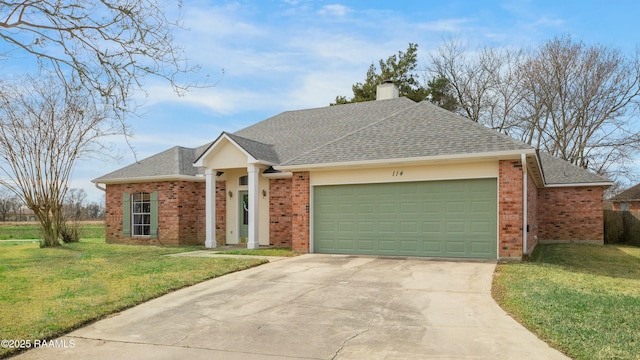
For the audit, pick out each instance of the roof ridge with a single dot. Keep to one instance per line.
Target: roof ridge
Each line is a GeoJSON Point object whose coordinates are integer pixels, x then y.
{"type": "Point", "coordinates": [477, 124]}
{"type": "Point", "coordinates": [232, 135]}
{"type": "Point", "coordinates": [355, 131]}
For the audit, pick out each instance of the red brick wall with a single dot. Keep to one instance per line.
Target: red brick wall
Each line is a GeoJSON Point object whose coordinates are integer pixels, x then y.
{"type": "Point", "coordinates": [532, 213]}
{"type": "Point", "coordinates": [300, 212]}
{"type": "Point", "coordinates": [280, 212]}
{"type": "Point", "coordinates": [510, 208]}
{"type": "Point", "coordinates": [181, 207]}
{"type": "Point", "coordinates": [571, 213]}
{"type": "Point", "coordinates": [221, 212]}
{"type": "Point", "coordinates": [633, 205]}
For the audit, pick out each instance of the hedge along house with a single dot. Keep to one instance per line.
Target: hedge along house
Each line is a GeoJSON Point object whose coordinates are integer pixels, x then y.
{"type": "Point", "coordinates": [386, 177]}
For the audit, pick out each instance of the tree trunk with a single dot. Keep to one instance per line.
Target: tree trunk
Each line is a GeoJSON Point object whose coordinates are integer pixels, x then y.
{"type": "Point", "coordinates": [48, 228]}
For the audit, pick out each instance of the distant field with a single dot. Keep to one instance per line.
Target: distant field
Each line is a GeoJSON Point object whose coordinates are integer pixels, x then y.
{"type": "Point", "coordinates": [31, 231]}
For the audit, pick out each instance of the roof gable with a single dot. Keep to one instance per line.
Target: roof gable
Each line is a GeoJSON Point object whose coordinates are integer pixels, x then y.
{"type": "Point", "coordinates": [253, 151]}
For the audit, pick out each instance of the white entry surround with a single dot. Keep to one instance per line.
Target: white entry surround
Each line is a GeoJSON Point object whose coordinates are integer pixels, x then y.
{"type": "Point", "coordinates": [226, 161]}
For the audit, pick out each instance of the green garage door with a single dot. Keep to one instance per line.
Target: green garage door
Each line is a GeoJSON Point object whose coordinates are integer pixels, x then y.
{"type": "Point", "coordinates": [455, 218]}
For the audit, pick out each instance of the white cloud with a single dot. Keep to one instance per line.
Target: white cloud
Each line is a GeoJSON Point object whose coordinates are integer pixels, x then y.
{"type": "Point", "coordinates": [446, 25]}
{"type": "Point", "coordinates": [334, 10]}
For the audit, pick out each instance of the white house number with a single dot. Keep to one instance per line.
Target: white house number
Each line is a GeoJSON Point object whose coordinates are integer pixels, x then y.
{"type": "Point", "coordinates": [397, 173]}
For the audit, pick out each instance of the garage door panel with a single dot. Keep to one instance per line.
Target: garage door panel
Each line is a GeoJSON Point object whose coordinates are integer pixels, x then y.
{"type": "Point", "coordinates": [367, 227]}
{"type": "Point", "coordinates": [387, 227]}
{"type": "Point", "coordinates": [431, 227]}
{"type": "Point", "coordinates": [366, 245]}
{"type": "Point", "coordinates": [409, 227]}
{"type": "Point", "coordinates": [387, 208]}
{"type": "Point", "coordinates": [456, 247]}
{"type": "Point", "coordinates": [409, 208]}
{"type": "Point", "coordinates": [437, 218]}
{"type": "Point", "coordinates": [387, 244]}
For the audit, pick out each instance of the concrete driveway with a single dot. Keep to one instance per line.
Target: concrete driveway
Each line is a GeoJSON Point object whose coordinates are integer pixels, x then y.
{"type": "Point", "coordinates": [317, 307]}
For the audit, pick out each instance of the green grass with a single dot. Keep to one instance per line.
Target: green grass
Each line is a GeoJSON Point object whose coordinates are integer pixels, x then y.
{"type": "Point", "coordinates": [583, 300]}
{"type": "Point", "coordinates": [47, 292]}
{"type": "Point", "coordinates": [261, 252]}
{"type": "Point", "coordinates": [31, 230]}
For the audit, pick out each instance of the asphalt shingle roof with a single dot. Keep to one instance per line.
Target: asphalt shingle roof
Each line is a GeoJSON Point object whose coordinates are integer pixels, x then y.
{"type": "Point", "coordinates": [558, 171]}
{"type": "Point", "coordinates": [176, 161]}
{"type": "Point", "coordinates": [632, 193]}
{"type": "Point", "coordinates": [257, 149]}
{"type": "Point", "coordinates": [296, 132]}
{"type": "Point", "coordinates": [420, 130]}
{"type": "Point", "coordinates": [375, 130]}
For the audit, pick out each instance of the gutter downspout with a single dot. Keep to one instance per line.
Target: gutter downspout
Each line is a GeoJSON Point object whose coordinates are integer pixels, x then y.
{"type": "Point", "coordinates": [523, 159]}
{"type": "Point", "coordinates": [97, 185]}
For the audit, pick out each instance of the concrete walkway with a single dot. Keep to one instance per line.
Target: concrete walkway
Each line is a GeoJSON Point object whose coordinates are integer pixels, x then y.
{"type": "Point", "coordinates": [317, 307]}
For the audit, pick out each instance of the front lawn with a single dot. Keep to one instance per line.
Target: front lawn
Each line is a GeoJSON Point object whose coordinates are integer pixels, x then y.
{"type": "Point", "coordinates": [581, 299]}
{"type": "Point", "coordinates": [286, 252]}
{"type": "Point", "coordinates": [31, 230]}
{"type": "Point", "coordinates": [48, 292]}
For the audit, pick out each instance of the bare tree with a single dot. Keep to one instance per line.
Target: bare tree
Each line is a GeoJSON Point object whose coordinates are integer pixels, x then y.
{"type": "Point", "coordinates": [74, 204]}
{"type": "Point", "coordinates": [99, 51]}
{"type": "Point", "coordinates": [570, 99]}
{"type": "Point", "coordinates": [95, 210]}
{"type": "Point", "coordinates": [8, 202]}
{"type": "Point", "coordinates": [469, 78]}
{"type": "Point", "coordinates": [108, 46]}
{"type": "Point", "coordinates": [43, 131]}
{"type": "Point", "coordinates": [584, 98]}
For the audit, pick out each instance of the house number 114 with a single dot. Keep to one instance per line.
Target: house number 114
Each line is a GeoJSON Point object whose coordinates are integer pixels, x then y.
{"type": "Point", "coordinates": [397, 173]}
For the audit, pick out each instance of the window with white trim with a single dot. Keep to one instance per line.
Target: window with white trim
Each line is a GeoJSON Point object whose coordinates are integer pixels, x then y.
{"type": "Point", "coordinates": [141, 214]}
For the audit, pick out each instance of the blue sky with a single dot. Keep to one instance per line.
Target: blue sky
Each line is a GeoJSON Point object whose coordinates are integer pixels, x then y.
{"type": "Point", "coordinates": [293, 54]}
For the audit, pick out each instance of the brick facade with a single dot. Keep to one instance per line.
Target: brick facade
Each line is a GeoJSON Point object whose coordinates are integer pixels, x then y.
{"type": "Point", "coordinates": [510, 209]}
{"type": "Point", "coordinates": [561, 214]}
{"type": "Point", "coordinates": [571, 213]}
{"type": "Point", "coordinates": [634, 205]}
{"type": "Point", "coordinates": [280, 212]}
{"type": "Point", "coordinates": [221, 212]}
{"type": "Point", "coordinates": [181, 209]}
{"type": "Point", "coordinates": [532, 214]}
{"type": "Point", "coordinates": [300, 212]}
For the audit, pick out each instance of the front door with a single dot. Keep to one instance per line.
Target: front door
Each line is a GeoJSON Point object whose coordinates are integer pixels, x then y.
{"type": "Point", "coordinates": [243, 216]}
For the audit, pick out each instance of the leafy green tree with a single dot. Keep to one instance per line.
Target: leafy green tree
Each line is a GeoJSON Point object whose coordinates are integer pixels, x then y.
{"type": "Point", "coordinates": [442, 94]}
{"type": "Point", "coordinates": [398, 68]}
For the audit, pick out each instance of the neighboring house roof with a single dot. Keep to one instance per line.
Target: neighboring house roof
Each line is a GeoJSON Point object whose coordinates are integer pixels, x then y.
{"type": "Point", "coordinates": [172, 163]}
{"type": "Point", "coordinates": [361, 132]}
{"type": "Point", "coordinates": [631, 194]}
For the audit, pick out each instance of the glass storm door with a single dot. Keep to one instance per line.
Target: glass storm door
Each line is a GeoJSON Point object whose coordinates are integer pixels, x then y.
{"type": "Point", "coordinates": [243, 215]}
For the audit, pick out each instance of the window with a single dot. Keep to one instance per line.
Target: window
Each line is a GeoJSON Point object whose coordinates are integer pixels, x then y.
{"type": "Point", "coordinates": [141, 214]}
{"type": "Point", "coordinates": [624, 206]}
{"type": "Point", "coordinates": [243, 180]}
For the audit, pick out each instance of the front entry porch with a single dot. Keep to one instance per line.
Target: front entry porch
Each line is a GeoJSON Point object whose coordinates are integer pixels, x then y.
{"type": "Point", "coordinates": [236, 207]}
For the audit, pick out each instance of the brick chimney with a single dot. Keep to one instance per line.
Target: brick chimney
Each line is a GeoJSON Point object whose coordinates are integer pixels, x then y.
{"type": "Point", "coordinates": [387, 90]}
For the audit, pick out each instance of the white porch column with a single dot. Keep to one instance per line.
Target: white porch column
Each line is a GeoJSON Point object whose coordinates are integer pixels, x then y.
{"type": "Point", "coordinates": [254, 209]}
{"type": "Point", "coordinates": [210, 198]}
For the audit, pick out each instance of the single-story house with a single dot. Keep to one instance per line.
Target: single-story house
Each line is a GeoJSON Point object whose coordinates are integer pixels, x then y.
{"type": "Point", "coordinates": [628, 200]}
{"type": "Point", "coordinates": [385, 177]}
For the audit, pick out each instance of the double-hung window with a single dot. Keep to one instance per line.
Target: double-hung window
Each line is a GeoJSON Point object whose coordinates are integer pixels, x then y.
{"type": "Point", "coordinates": [141, 214]}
